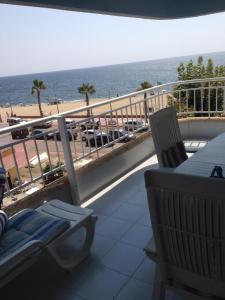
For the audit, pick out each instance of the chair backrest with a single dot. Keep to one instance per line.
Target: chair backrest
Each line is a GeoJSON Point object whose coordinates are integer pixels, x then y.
{"type": "Point", "coordinates": [165, 131]}
{"type": "Point", "coordinates": [188, 221]}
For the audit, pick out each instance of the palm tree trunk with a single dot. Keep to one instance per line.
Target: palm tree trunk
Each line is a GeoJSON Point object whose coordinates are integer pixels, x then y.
{"type": "Point", "coordinates": [39, 103]}
{"type": "Point", "coordinates": [87, 104]}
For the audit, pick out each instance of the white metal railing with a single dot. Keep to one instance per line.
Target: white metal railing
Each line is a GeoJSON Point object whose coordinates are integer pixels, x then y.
{"type": "Point", "coordinates": [63, 145]}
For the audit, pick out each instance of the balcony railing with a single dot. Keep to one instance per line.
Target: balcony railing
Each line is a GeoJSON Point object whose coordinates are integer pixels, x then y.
{"type": "Point", "coordinates": [43, 156]}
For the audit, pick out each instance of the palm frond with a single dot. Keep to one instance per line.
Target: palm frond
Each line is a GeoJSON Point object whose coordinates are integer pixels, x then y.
{"type": "Point", "coordinates": [39, 84]}
{"type": "Point", "coordinates": [33, 90]}
{"type": "Point", "coordinates": [86, 89]}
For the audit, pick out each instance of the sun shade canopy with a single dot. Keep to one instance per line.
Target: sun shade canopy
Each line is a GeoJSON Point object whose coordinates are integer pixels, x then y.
{"type": "Point", "coordinates": [152, 9]}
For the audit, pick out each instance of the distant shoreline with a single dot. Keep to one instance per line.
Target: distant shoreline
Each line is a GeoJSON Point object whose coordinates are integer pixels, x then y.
{"type": "Point", "coordinates": [32, 110]}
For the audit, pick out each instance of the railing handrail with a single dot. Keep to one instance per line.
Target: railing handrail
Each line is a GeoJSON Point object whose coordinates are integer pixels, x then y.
{"type": "Point", "coordinates": [105, 102]}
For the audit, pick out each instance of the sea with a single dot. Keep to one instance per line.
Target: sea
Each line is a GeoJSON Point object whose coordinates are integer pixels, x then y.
{"type": "Point", "coordinates": [109, 81]}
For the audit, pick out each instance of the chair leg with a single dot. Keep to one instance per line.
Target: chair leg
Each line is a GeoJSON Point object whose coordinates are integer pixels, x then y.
{"type": "Point", "coordinates": [68, 262]}
{"type": "Point", "coordinates": [159, 287]}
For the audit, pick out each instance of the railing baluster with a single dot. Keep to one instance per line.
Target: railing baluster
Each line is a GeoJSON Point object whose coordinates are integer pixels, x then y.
{"type": "Point", "coordinates": [81, 142]}
{"type": "Point", "coordinates": [135, 108]}
{"type": "Point", "coordinates": [122, 118]}
{"type": "Point", "coordinates": [209, 101]}
{"type": "Point", "coordinates": [201, 99]}
{"type": "Point", "coordinates": [187, 102]}
{"type": "Point", "coordinates": [16, 165]}
{"type": "Point", "coordinates": [179, 101]}
{"type": "Point", "coordinates": [194, 99]}
{"type": "Point", "coordinates": [7, 183]}
{"type": "Point", "coordinates": [38, 156]}
{"type": "Point", "coordinates": [48, 153]}
{"type": "Point", "coordinates": [27, 158]}
{"type": "Point", "coordinates": [57, 148]}
{"type": "Point", "coordinates": [216, 108]}
{"type": "Point", "coordinates": [224, 100]}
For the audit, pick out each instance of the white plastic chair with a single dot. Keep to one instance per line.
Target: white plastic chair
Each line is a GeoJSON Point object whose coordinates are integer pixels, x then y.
{"type": "Point", "coordinates": [188, 221]}
{"type": "Point", "coordinates": [166, 136]}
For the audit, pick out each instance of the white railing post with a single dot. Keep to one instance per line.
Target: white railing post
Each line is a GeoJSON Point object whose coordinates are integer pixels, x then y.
{"type": "Point", "coordinates": [224, 100]}
{"type": "Point", "coordinates": [68, 160]}
{"type": "Point", "coordinates": [209, 101]}
{"type": "Point", "coordinates": [145, 108]}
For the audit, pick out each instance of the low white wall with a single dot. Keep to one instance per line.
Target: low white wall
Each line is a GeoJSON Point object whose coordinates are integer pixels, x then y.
{"type": "Point", "coordinates": [92, 178]}
{"type": "Point", "coordinates": [99, 177]}
{"type": "Point", "coordinates": [201, 128]}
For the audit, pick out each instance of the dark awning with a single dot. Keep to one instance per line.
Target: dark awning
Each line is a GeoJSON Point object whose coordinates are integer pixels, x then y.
{"type": "Point", "coordinates": [154, 9]}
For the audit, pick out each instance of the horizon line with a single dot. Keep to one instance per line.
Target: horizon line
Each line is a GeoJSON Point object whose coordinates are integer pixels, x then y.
{"type": "Point", "coordinates": [110, 65]}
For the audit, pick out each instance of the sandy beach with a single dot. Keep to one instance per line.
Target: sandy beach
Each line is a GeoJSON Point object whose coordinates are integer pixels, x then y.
{"type": "Point", "coordinates": [31, 111]}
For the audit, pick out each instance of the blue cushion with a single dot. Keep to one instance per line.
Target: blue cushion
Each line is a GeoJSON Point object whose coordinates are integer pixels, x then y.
{"type": "Point", "coordinates": [3, 222]}
{"type": "Point", "coordinates": [30, 225]}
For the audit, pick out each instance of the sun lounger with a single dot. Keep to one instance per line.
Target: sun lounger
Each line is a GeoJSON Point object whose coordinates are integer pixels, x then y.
{"type": "Point", "coordinates": [51, 228]}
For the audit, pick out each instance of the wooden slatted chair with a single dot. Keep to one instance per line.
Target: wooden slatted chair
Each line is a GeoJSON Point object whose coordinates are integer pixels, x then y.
{"type": "Point", "coordinates": [188, 221]}
{"type": "Point", "coordinates": [167, 139]}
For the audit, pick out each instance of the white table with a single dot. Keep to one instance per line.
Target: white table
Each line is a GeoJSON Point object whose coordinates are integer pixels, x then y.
{"type": "Point", "coordinates": [203, 161]}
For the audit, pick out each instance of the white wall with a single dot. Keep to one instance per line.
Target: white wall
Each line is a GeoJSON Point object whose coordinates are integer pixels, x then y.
{"type": "Point", "coordinates": [201, 128]}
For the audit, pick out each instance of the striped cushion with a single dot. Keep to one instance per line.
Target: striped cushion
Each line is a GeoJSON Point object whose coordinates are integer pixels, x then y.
{"type": "Point", "coordinates": [29, 225]}
{"type": "Point", "coordinates": [3, 222]}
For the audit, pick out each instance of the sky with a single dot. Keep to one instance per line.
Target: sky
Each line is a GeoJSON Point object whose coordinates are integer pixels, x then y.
{"type": "Point", "coordinates": [36, 40]}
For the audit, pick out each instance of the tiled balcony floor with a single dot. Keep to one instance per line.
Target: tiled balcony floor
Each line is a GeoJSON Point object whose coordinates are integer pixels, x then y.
{"type": "Point", "coordinates": [117, 267]}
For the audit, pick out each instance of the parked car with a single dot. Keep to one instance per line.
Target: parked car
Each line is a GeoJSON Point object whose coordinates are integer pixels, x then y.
{"type": "Point", "coordinates": [91, 124]}
{"type": "Point", "coordinates": [70, 123]}
{"type": "Point", "coordinates": [15, 121]}
{"type": "Point", "coordinates": [89, 133]}
{"type": "Point", "coordinates": [46, 124]}
{"type": "Point", "coordinates": [18, 133]}
{"type": "Point", "coordinates": [133, 125]}
{"type": "Point", "coordinates": [72, 135]}
{"type": "Point", "coordinates": [99, 140]}
{"type": "Point", "coordinates": [124, 136]}
{"type": "Point", "coordinates": [41, 134]}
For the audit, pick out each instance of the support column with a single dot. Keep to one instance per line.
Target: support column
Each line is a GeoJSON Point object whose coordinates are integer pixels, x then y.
{"type": "Point", "coordinates": [68, 160]}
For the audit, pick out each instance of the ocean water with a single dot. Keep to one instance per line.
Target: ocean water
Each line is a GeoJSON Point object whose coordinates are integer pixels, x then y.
{"type": "Point", "coordinates": [109, 81]}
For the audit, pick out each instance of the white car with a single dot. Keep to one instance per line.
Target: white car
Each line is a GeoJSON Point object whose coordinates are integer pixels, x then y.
{"type": "Point", "coordinates": [121, 134]}
{"type": "Point", "coordinates": [88, 134]}
{"type": "Point", "coordinates": [72, 135]}
{"type": "Point", "coordinates": [70, 123]}
{"type": "Point", "coordinates": [133, 125]}
{"type": "Point", "coordinates": [15, 121]}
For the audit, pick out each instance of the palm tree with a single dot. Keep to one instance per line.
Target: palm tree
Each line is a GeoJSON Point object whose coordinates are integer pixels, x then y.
{"type": "Point", "coordinates": [38, 86]}
{"type": "Point", "coordinates": [87, 89]}
{"type": "Point", "coordinates": [144, 85]}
